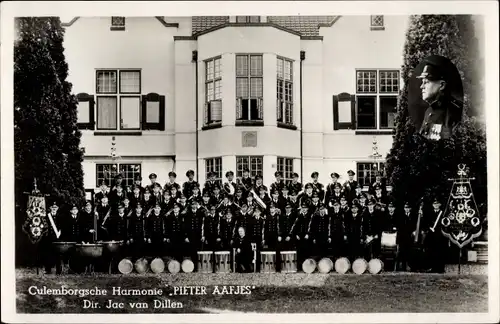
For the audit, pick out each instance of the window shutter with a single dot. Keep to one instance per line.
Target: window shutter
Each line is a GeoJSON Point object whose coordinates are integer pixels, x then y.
{"type": "Point", "coordinates": [239, 109]}
{"type": "Point", "coordinates": [207, 113]}
{"type": "Point", "coordinates": [260, 108]}
{"type": "Point", "coordinates": [153, 111]}
{"type": "Point", "coordinates": [344, 111]}
{"type": "Point", "coordinates": [85, 97]}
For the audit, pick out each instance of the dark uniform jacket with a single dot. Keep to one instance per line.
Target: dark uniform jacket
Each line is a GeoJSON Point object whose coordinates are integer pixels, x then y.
{"type": "Point", "coordinates": [226, 230]}
{"type": "Point", "coordinates": [134, 200]}
{"type": "Point", "coordinates": [210, 226]}
{"type": "Point", "coordinates": [117, 228]}
{"type": "Point", "coordinates": [155, 227]}
{"type": "Point", "coordinates": [227, 188]}
{"type": "Point", "coordinates": [187, 188]}
{"type": "Point", "coordinates": [245, 246]}
{"type": "Point", "coordinates": [216, 200]}
{"type": "Point", "coordinates": [137, 228]}
{"type": "Point", "coordinates": [193, 223]}
{"type": "Point", "coordinates": [167, 205]}
{"type": "Point", "coordinates": [148, 204]}
{"type": "Point", "coordinates": [71, 228]}
{"type": "Point", "coordinates": [320, 189]}
{"type": "Point", "coordinates": [280, 203]}
{"type": "Point", "coordinates": [304, 198]}
{"type": "Point", "coordinates": [243, 220]}
{"type": "Point", "coordinates": [301, 225]}
{"type": "Point", "coordinates": [354, 228]}
{"type": "Point", "coordinates": [330, 191]}
{"type": "Point", "coordinates": [256, 189]}
{"type": "Point", "coordinates": [265, 198]}
{"type": "Point", "coordinates": [209, 187]}
{"type": "Point", "coordinates": [371, 188]}
{"type": "Point", "coordinates": [297, 187]}
{"type": "Point", "coordinates": [439, 120]}
{"type": "Point", "coordinates": [256, 229]}
{"type": "Point", "coordinates": [337, 231]}
{"type": "Point", "coordinates": [319, 228]}
{"type": "Point", "coordinates": [157, 197]}
{"type": "Point", "coordinates": [372, 222]}
{"type": "Point", "coordinates": [271, 228]}
{"type": "Point", "coordinates": [103, 214]}
{"type": "Point", "coordinates": [278, 186]}
{"type": "Point", "coordinates": [115, 199]}
{"type": "Point", "coordinates": [406, 224]}
{"type": "Point", "coordinates": [98, 196]}
{"type": "Point", "coordinates": [246, 184]}
{"type": "Point", "coordinates": [175, 228]}
{"type": "Point", "coordinates": [350, 190]}
{"type": "Point", "coordinates": [87, 224]}
{"type": "Point", "coordinates": [168, 186]}
{"type": "Point", "coordinates": [285, 223]}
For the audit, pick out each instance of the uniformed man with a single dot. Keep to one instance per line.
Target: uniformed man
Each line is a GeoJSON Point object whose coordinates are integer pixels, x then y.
{"type": "Point", "coordinates": [239, 198]}
{"type": "Point", "coordinates": [175, 233]}
{"type": "Point", "coordinates": [71, 226]}
{"type": "Point", "coordinates": [155, 232]}
{"type": "Point", "coordinates": [226, 231]}
{"type": "Point", "coordinates": [436, 244]}
{"type": "Point", "coordinates": [295, 185]}
{"type": "Point", "coordinates": [337, 230]}
{"type": "Point", "coordinates": [152, 178]}
{"type": "Point", "coordinates": [379, 182]}
{"type": "Point", "coordinates": [299, 231]}
{"type": "Point", "coordinates": [49, 255]}
{"type": "Point", "coordinates": [243, 217]}
{"type": "Point", "coordinates": [148, 201]}
{"type": "Point", "coordinates": [175, 193]}
{"type": "Point", "coordinates": [359, 191]}
{"type": "Point", "coordinates": [406, 225]}
{"type": "Point", "coordinates": [251, 203]}
{"type": "Point", "coordinates": [157, 196]}
{"type": "Point", "coordinates": [118, 182]}
{"type": "Point", "coordinates": [118, 230]}
{"type": "Point", "coordinates": [256, 232]}
{"type": "Point", "coordinates": [103, 191]}
{"type": "Point", "coordinates": [390, 217]}
{"type": "Point", "coordinates": [362, 203]}
{"type": "Point", "coordinates": [271, 228]}
{"type": "Point", "coordinates": [337, 193]}
{"type": "Point", "coordinates": [381, 199]}
{"type": "Point", "coordinates": [210, 184]}
{"type": "Point", "coordinates": [103, 212]}
{"type": "Point", "coordinates": [136, 234]}
{"type": "Point", "coordinates": [278, 200]}
{"type": "Point", "coordinates": [243, 251]}
{"type": "Point", "coordinates": [445, 103]}
{"type": "Point", "coordinates": [372, 231]}
{"type": "Point", "coordinates": [206, 201]}
{"type": "Point", "coordinates": [259, 184]}
{"type": "Point", "coordinates": [172, 176]}
{"type": "Point", "coordinates": [319, 232]}
{"type": "Point", "coordinates": [227, 205]}
{"type": "Point", "coordinates": [278, 184]}
{"type": "Point", "coordinates": [138, 184]}
{"type": "Point", "coordinates": [344, 206]}
{"type": "Point", "coordinates": [116, 196]}
{"type": "Point", "coordinates": [293, 199]}
{"type": "Point", "coordinates": [195, 194]}
{"type": "Point", "coordinates": [137, 195]}
{"type": "Point", "coordinates": [210, 229]}
{"type": "Point", "coordinates": [87, 223]}
{"type": "Point", "coordinates": [329, 192]}
{"type": "Point", "coordinates": [264, 197]}
{"type": "Point", "coordinates": [167, 202]}
{"type": "Point", "coordinates": [187, 187]}
{"type": "Point", "coordinates": [306, 196]}
{"type": "Point", "coordinates": [216, 196]}
{"type": "Point", "coordinates": [229, 187]}
{"type": "Point", "coordinates": [246, 181]}
{"type": "Point", "coordinates": [193, 224]}
{"type": "Point", "coordinates": [353, 223]}
{"type": "Point", "coordinates": [285, 194]}
{"type": "Point", "coordinates": [128, 208]}
{"type": "Point", "coordinates": [183, 204]}
{"type": "Point", "coordinates": [318, 187]}
{"type": "Point", "coordinates": [350, 186]}
{"type": "Point", "coordinates": [286, 239]}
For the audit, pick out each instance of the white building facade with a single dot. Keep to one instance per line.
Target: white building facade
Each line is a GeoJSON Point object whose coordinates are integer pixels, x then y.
{"type": "Point", "coordinates": [295, 94]}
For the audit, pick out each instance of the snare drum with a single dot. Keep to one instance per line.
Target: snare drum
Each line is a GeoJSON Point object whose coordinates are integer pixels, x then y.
{"type": "Point", "coordinates": [309, 265]}
{"type": "Point", "coordinates": [187, 265]}
{"type": "Point", "coordinates": [157, 265]}
{"type": "Point", "coordinates": [388, 240]}
{"type": "Point", "coordinates": [173, 266]}
{"type": "Point", "coordinates": [375, 266]}
{"type": "Point", "coordinates": [222, 262]}
{"type": "Point", "coordinates": [141, 265]}
{"type": "Point", "coordinates": [325, 265]}
{"type": "Point", "coordinates": [125, 266]}
{"type": "Point", "coordinates": [359, 266]}
{"type": "Point", "coordinates": [205, 261]}
{"type": "Point", "coordinates": [288, 261]}
{"type": "Point", "coordinates": [267, 261]}
{"type": "Point", "coordinates": [342, 265]}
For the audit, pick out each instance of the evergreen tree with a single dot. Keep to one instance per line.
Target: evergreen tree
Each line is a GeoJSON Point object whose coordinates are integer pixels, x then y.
{"type": "Point", "coordinates": [418, 168]}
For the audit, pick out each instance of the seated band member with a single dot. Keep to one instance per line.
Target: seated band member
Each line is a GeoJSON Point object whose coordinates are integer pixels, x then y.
{"type": "Point", "coordinates": [372, 230]}
{"type": "Point", "coordinates": [136, 234]}
{"type": "Point", "coordinates": [331, 186]}
{"type": "Point", "coordinates": [209, 230]}
{"type": "Point", "coordinates": [226, 231]}
{"type": "Point", "coordinates": [183, 204]}
{"type": "Point", "coordinates": [337, 231]}
{"type": "Point", "coordinates": [175, 234]}
{"type": "Point", "coordinates": [187, 187]}
{"type": "Point", "coordinates": [155, 232]}
{"type": "Point", "coordinates": [278, 184]}
{"type": "Point", "coordinates": [295, 185]}
{"type": "Point", "coordinates": [299, 232]}
{"type": "Point", "coordinates": [172, 176]}
{"type": "Point", "coordinates": [271, 229]}
{"type": "Point", "coordinates": [353, 223]}
{"type": "Point", "coordinates": [318, 187]}
{"type": "Point", "coordinates": [243, 251]}
{"type": "Point", "coordinates": [286, 239]}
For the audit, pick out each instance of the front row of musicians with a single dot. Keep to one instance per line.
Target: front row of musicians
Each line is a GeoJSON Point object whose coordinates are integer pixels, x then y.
{"type": "Point", "coordinates": [311, 228]}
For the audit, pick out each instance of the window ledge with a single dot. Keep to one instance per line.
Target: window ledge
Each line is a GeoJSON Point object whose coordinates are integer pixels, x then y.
{"type": "Point", "coordinates": [249, 123]}
{"type": "Point", "coordinates": [211, 126]}
{"type": "Point", "coordinates": [375, 132]}
{"type": "Point", "coordinates": [287, 126]}
{"type": "Point", "coordinates": [377, 28]}
{"type": "Point", "coordinates": [117, 133]}
{"type": "Point", "coordinates": [117, 28]}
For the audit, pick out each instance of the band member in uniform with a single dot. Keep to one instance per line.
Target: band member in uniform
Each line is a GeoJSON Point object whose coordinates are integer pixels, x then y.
{"type": "Point", "coordinates": [193, 224]}
{"type": "Point", "coordinates": [71, 226]}
{"type": "Point", "coordinates": [319, 232]}
{"type": "Point", "coordinates": [379, 181]}
{"type": "Point", "coordinates": [195, 194]}
{"type": "Point", "coordinates": [243, 249]}
{"type": "Point", "coordinates": [104, 191]}
{"type": "Point", "coordinates": [226, 231]}
{"type": "Point", "coordinates": [183, 204]}
{"type": "Point", "coordinates": [243, 217]}
{"type": "Point", "coordinates": [171, 183]}
{"type": "Point", "coordinates": [116, 196]}
{"type": "Point", "coordinates": [318, 187]}
{"type": "Point", "coordinates": [350, 186]}
{"type": "Point", "coordinates": [337, 193]}
{"type": "Point", "coordinates": [49, 255]}
{"type": "Point", "coordinates": [337, 231]}
{"type": "Point", "coordinates": [251, 203]}
{"type": "Point", "coordinates": [229, 186]}
{"type": "Point", "coordinates": [285, 194]}
{"type": "Point", "coordinates": [306, 196]}
{"type": "Point", "coordinates": [299, 232]}
{"type": "Point", "coordinates": [118, 230]}
{"type": "Point", "coordinates": [155, 232]}
{"type": "Point", "coordinates": [246, 182]}
{"type": "Point", "coordinates": [263, 195]}
{"type": "Point", "coordinates": [436, 244]}
{"type": "Point", "coordinates": [271, 228]}
{"type": "Point", "coordinates": [353, 223]}
{"type": "Point", "coordinates": [293, 199]}
{"type": "Point", "coordinates": [216, 195]}
{"type": "Point", "coordinates": [157, 197]}
{"type": "Point", "coordinates": [239, 198]}
{"type": "Point", "coordinates": [187, 187]}
{"type": "Point", "coordinates": [406, 225]}
{"type": "Point", "coordinates": [175, 193]}
{"type": "Point", "coordinates": [278, 200]}
{"type": "Point", "coordinates": [390, 218]}
{"type": "Point", "coordinates": [259, 184]}
{"type": "Point", "coordinates": [136, 234]}
{"type": "Point", "coordinates": [279, 184]}
{"type": "Point", "coordinates": [372, 230]}
{"type": "Point", "coordinates": [118, 182]}
{"type": "Point", "coordinates": [175, 233]}
{"type": "Point", "coordinates": [138, 183]}
{"type": "Point", "coordinates": [167, 203]}
{"type": "Point", "coordinates": [206, 201]}
{"type": "Point", "coordinates": [87, 223]}
{"type": "Point", "coordinates": [227, 205]}
{"type": "Point", "coordinates": [103, 212]}
{"type": "Point", "coordinates": [315, 203]}
{"type": "Point", "coordinates": [128, 208]}
{"type": "Point", "coordinates": [256, 232]}
{"type": "Point", "coordinates": [380, 198]}
{"type": "Point", "coordinates": [359, 191]}
{"type": "Point", "coordinates": [295, 185]}
{"type": "Point", "coordinates": [285, 224]}
{"type": "Point", "coordinates": [210, 184]}
{"type": "Point", "coordinates": [137, 195]}
{"type": "Point", "coordinates": [329, 192]}
{"type": "Point", "coordinates": [362, 203]}
{"type": "Point", "coordinates": [344, 206]}
{"type": "Point", "coordinates": [148, 201]}
{"type": "Point", "coordinates": [209, 229]}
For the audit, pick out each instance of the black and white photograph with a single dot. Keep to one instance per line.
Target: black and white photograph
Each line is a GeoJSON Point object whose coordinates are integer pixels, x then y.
{"type": "Point", "coordinates": [321, 161]}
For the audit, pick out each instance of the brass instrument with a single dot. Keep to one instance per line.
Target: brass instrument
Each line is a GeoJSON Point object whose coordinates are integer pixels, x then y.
{"type": "Point", "coordinates": [417, 230]}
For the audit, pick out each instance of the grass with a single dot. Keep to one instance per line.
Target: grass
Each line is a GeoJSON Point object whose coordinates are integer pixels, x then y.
{"type": "Point", "coordinates": [273, 293]}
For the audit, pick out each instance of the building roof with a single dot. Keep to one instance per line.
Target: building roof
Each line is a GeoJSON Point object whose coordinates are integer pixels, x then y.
{"type": "Point", "coordinates": [304, 25]}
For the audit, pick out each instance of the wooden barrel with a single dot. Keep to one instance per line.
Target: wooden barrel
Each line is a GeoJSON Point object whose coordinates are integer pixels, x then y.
{"type": "Point", "coordinates": [157, 265]}
{"type": "Point", "coordinates": [359, 266]}
{"type": "Point", "coordinates": [125, 266]}
{"type": "Point", "coordinates": [375, 266]}
{"type": "Point", "coordinates": [141, 265]}
{"type": "Point", "coordinates": [309, 265]}
{"type": "Point", "coordinates": [173, 266]}
{"type": "Point", "coordinates": [342, 265]}
{"type": "Point", "coordinates": [325, 265]}
{"type": "Point", "coordinates": [187, 265]}
{"type": "Point", "coordinates": [205, 261]}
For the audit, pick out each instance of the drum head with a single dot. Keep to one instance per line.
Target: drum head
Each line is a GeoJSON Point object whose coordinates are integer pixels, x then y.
{"type": "Point", "coordinates": [342, 265]}
{"type": "Point", "coordinates": [157, 265]}
{"type": "Point", "coordinates": [187, 266]}
{"type": "Point", "coordinates": [375, 266]}
{"type": "Point", "coordinates": [325, 265]}
{"type": "Point", "coordinates": [308, 266]}
{"type": "Point", "coordinates": [141, 265]}
{"type": "Point", "coordinates": [359, 266]}
{"type": "Point", "coordinates": [125, 266]}
{"type": "Point", "coordinates": [173, 266]}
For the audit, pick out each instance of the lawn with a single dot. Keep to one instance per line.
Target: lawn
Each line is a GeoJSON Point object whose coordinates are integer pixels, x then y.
{"type": "Point", "coordinates": [269, 293]}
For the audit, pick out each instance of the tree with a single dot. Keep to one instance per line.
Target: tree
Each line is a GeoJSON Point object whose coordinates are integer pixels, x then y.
{"type": "Point", "coordinates": [419, 168]}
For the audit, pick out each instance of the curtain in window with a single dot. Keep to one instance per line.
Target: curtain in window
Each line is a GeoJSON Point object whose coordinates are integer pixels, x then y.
{"type": "Point", "coordinates": [106, 113]}
{"type": "Point", "coordinates": [130, 112]}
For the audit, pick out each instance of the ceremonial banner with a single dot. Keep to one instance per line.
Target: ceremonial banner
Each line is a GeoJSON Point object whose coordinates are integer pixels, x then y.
{"type": "Point", "coordinates": [461, 222]}
{"type": "Point", "coordinates": [36, 224]}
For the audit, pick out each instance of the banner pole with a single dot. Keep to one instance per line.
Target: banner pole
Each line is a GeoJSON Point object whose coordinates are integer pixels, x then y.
{"type": "Point", "coordinates": [459, 259]}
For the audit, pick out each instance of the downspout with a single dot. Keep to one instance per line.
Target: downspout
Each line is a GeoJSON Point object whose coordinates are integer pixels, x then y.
{"type": "Point", "coordinates": [195, 60]}
{"type": "Point", "coordinates": [302, 58]}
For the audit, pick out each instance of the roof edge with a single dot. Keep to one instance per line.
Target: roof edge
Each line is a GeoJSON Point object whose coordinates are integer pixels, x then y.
{"type": "Point", "coordinates": [267, 24]}
{"type": "Point", "coordinates": [329, 24]}
{"type": "Point", "coordinates": [166, 24]}
{"type": "Point", "coordinates": [72, 21]}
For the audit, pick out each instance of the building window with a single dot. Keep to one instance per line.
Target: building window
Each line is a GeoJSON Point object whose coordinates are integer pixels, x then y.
{"type": "Point", "coordinates": [249, 87]}
{"type": "Point", "coordinates": [214, 165]}
{"type": "Point", "coordinates": [252, 163]}
{"type": "Point", "coordinates": [367, 171]}
{"type": "Point", "coordinates": [213, 102]}
{"type": "Point", "coordinates": [377, 22]}
{"type": "Point", "coordinates": [376, 98]}
{"type": "Point", "coordinates": [247, 19]}
{"type": "Point", "coordinates": [285, 166]}
{"type": "Point", "coordinates": [118, 99]}
{"type": "Point", "coordinates": [107, 173]}
{"type": "Point", "coordinates": [117, 23]}
{"type": "Point", "coordinates": [284, 91]}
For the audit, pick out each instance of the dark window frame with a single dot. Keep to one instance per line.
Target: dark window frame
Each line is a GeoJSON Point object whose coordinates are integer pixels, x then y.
{"type": "Point", "coordinates": [208, 101]}
{"type": "Point", "coordinates": [259, 101]}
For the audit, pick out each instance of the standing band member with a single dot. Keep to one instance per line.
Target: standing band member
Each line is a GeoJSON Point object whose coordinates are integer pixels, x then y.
{"type": "Point", "coordinates": [136, 196]}
{"type": "Point", "coordinates": [319, 232]}
{"type": "Point", "coordinates": [136, 233]}
{"type": "Point", "coordinates": [256, 232]}
{"type": "Point", "coordinates": [279, 184]}
{"type": "Point", "coordinates": [259, 184]}
{"type": "Point", "coordinates": [103, 212]}
{"type": "Point", "coordinates": [406, 224]}
{"type": "Point", "coordinates": [155, 232]}
{"type": "Point", "coordinates": [152, 179]}
{"type": "Point", "coordinates": [318, 187]}
{"type": "Point", "coordinates": [175, 233]}
{"type": "Point", "coordinates": [229, 186]}
{"type": "Point", "coordinates": [117, 229]}
{"type": "Point", "coordinates": [246, 182]}
{"type": "Point", "coordinates": [295, 185]}
{"type": "Point", "coordinates": [299, 232]}
{"type": "Point", "coordinates": [104, 191]}
{"type": "Point", "coordinates": [285, 224]}
{"type": "Point", "coordinates": [330, 188]}
{"type": "Point", "coordinates": [337, 230]}
{"type": "Point", "coordinates": [350, 186]}
{"type": "Point", "coordinates": [306, 196]}
{"type": "Point", "coordinates": [187, 187]}
{"type": "Point", "coordinates": [210, 184]}
{"type": "Point", "coordinates": [355, 233]}
{"type": "Point", "coordinates": [193, 225]}
{"type": "Point", "coordinates": [209, 230]}
{"type": "Point", "coordinates": [226, 231]}
{"type": "Point", "coordinates": [371, 230]}
{"type": "Point", "coordinates": [138, 183]}
{"type": "Point", "coordinates": [87, 216]}
{"type": "Point", "coordinates": [435, 242]}
{"type": "Point", "coordinates": [50, 256]}
{"type": "Point", "coordinates": [271, 229]}
{"type": "Point", "coordinates": [172, 176]}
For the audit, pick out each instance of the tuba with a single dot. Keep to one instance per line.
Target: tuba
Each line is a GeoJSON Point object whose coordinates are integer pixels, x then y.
{"type": "Point", "coordinates": [229, 186]}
